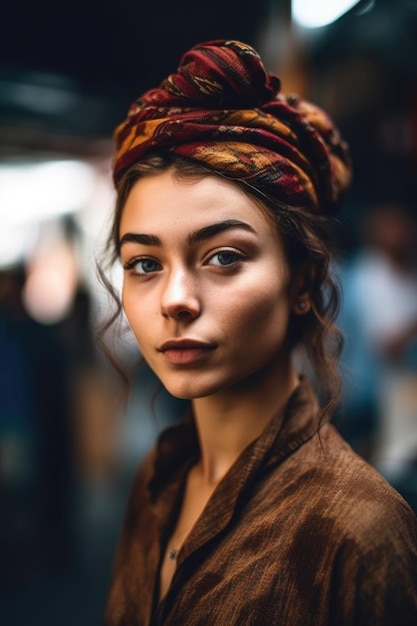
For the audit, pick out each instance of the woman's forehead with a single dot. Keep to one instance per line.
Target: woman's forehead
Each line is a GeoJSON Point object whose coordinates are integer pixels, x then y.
{"type": "Point", "coordinates": [163, 199]}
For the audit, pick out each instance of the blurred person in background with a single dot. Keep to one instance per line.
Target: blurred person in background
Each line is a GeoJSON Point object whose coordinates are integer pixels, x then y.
{"type": "Point", "coordinates": [390, 240]}
{"type": "Point", "coordinates": [252, 510]}
{"type": "Point", "coordinates": [55, 428]}
{"type": "Point", "coordinates": [35, 442]}
{"type": "Point", "coordinates": [379, 321]}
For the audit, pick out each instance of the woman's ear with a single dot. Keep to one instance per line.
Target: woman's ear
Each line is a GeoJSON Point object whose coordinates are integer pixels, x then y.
{"type": "Point", "coordinates": [302, 305]}
{"type": "Point", "coordinates": [301, 295]}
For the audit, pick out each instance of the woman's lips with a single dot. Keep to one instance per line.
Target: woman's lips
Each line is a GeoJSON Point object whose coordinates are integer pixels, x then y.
{"type": "Point", "coordinates": [185, 352]}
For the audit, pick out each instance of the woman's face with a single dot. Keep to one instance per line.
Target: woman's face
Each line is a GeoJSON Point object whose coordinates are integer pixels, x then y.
{"type": "Point", "coordinates": [206, 284]}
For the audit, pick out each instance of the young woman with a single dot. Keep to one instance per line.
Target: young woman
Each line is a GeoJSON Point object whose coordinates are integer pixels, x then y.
{"type": "Point", "coordinates": [253, 510]}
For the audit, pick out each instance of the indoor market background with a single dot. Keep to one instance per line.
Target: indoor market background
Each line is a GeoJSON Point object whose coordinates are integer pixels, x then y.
{"type": "Point", "coordinates": [69, 445]}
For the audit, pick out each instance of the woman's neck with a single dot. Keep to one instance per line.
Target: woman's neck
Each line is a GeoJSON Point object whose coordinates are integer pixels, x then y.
{"type": "Point", "coordinates": [230, 420]}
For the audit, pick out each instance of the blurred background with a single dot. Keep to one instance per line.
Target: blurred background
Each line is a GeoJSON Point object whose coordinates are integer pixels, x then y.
{"type": "Point", "coordinates": [68, 445]}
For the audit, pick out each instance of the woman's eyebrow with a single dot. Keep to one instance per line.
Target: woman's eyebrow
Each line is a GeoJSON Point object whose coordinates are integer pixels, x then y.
{"type": "Point", "coordinates": [199, 235]}
{"type": "Point", "coordinates": [219, 227]}
{"type": "Point", "coordinates": [146, 240]}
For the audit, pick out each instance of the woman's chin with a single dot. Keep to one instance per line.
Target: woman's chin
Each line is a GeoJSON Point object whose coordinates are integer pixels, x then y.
{"type": "Point", "coordinates": [191, 390]}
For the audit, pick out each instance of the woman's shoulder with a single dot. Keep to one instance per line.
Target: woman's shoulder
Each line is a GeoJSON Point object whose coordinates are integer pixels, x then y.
{"type": "Point", "coordinates": [337, 514]}
{"type": "Point", "coordinates": [345, 488]}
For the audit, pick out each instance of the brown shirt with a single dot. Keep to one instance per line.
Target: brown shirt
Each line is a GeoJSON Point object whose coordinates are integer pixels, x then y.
{"type": "Point", "coordinates": [300, 532]}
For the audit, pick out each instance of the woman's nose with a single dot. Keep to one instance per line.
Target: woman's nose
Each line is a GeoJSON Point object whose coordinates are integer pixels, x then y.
{"type": "Point", "coordinates": [179, 299]}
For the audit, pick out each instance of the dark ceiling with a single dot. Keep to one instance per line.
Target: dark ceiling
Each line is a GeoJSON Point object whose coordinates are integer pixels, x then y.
{"type": "Point", "coordinates": [68, 72]}
{"type": "Point", "coordinates": [100, 54]}
{"type": "Point", "coordinates": [104, 43]}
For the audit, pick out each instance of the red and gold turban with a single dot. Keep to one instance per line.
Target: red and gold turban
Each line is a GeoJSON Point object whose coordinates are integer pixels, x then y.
{"type": "Point", "coordinates": [222, 109]}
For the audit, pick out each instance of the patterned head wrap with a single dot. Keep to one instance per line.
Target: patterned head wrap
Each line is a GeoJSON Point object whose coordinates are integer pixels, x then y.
{"type": "Point", "coordinates": [222, 109]}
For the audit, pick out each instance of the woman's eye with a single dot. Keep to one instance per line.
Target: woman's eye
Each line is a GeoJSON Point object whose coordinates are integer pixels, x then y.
{"type": "Point", "coordinates": [226, 258]}
{"type": "Point", "coordinates": [143, 266]}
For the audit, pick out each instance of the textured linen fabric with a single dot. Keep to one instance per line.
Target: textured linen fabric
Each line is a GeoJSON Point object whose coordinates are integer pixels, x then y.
{"type": "Point", "coordinates": [300, 532]}
{"type": "Point", "coordinates": [222, 109]}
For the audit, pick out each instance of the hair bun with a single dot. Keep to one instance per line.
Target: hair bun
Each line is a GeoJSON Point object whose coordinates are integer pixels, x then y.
{"type": "Point", "coordinates": [221, 74]}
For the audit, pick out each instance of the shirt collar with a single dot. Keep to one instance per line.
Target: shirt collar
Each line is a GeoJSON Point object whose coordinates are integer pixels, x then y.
{"type": "Point", "coordinates": [178, 447]}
